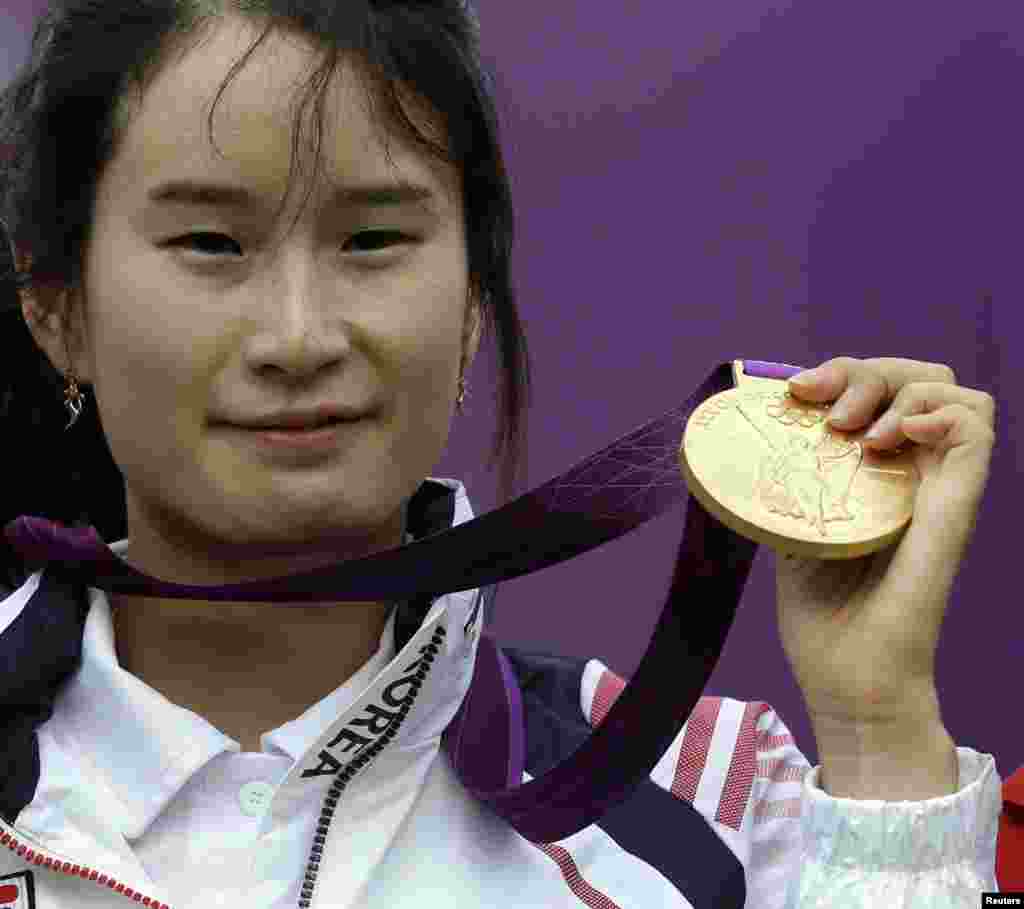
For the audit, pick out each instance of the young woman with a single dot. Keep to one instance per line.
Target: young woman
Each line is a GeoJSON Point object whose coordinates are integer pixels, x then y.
{"type": "Point", "coordinates": [181, 752]}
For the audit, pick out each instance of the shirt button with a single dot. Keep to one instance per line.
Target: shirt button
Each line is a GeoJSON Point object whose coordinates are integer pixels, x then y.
{"type": "Point", "coordinates": [254, 798]}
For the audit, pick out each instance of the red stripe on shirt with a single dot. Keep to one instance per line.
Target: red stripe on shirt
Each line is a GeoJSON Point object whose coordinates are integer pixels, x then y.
{"type": "Point", "coordinates": [586, 894]}
{"type": "Point", "coordinates": [739, 779]}
{"type": "Point", "coordinates": [693, 755]}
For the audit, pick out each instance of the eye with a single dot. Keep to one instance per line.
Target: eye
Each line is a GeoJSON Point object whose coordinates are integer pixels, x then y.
{"type": "Point", "coordinates": [193, 239]}
{"type": "Point", "coordinates": [215, 239]}
{"type": "Point", "coordinates": [382, 233]}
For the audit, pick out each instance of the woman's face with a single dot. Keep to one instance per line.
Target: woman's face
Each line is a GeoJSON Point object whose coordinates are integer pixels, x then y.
{"type": "Point", "coordinates": [181, 336]}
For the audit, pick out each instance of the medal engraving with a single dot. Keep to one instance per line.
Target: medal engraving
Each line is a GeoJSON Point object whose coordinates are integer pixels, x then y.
{"type": "Point", "coordinates": [768, 466]}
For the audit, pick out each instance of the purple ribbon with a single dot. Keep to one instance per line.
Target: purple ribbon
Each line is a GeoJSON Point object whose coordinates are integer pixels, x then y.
{"type": "Point", "coordinates": [600, 499]}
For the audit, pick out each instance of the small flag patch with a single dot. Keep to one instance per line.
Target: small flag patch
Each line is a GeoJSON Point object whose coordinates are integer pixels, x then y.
{"type": "Point", "coordinates": [17, 891]}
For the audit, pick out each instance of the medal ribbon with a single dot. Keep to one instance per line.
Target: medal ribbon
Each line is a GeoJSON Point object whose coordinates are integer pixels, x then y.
{"type": "Point", "coordinates": [598, 500]}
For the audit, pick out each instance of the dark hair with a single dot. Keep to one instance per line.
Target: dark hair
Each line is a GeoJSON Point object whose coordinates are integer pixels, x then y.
{"type": "Point", "coordinates": [61, 121]}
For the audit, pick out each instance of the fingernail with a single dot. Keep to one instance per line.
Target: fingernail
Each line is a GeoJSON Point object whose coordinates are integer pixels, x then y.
{"type": "Point", "coordinates": [839, 414]}
{"type": "Point", "coordinates": [884, 424]}
{"type": "Point", "coordinates": [807, 377]}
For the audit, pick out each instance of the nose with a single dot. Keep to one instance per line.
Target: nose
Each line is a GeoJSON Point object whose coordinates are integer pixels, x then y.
{"type": "Point", "coordinates": [296, 339]}
{"type": "Point", "coordinates": [297, 356]}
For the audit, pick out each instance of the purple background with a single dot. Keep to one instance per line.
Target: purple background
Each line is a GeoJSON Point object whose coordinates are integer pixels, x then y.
{"type": "Point", "coordinates": [791, 181]}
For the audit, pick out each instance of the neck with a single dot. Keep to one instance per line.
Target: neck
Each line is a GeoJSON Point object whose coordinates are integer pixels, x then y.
{"type": "Point", "coordinates": [235, 664]}
{"type": "Point", "coordinates": [246, 667]}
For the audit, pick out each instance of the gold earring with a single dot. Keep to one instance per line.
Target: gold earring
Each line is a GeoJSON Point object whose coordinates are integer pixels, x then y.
{"type": "Point", "coordinates": [73, 395]}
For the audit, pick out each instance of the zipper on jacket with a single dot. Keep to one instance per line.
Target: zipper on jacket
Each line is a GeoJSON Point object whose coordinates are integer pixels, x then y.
{"type": "Point", "coordinates": [31, 852]}
{"type": "Point", "coordinates": [345, 776]}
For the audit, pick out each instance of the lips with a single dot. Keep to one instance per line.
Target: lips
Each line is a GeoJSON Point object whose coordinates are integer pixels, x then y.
{"type": "Point", "coordinates": [298, 421]}
{"type": "Point", "coordinates": [305, 427]}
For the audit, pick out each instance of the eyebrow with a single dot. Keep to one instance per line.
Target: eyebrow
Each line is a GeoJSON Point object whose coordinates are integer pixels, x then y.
{"type": "Point", "coordinates": [212, 195]}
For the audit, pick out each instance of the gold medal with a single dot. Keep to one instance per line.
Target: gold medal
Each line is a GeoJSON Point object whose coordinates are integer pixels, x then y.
{"type": "Point", "coordinates": [769, 467]}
